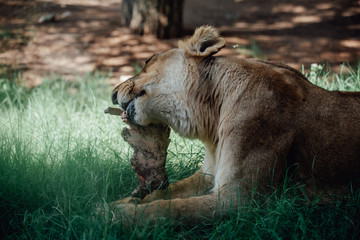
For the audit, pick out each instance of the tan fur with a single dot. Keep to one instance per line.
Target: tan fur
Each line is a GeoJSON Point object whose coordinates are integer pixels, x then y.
{"type": "Point", "coordinates": [257, 120]}
{"type": "Point", "coordinates": [205, 41]}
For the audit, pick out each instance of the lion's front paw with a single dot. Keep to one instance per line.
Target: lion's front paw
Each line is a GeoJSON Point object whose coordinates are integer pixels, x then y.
{"type": "Point", "coordinates": [103, 212]}
{"type": "Point", "coordinates": [123, 213]}
{"type": "Point", "coordinates": [115, 212]}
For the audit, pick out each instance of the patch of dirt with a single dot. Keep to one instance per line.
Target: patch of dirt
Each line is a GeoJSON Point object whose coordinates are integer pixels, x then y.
{"type": "Point", "coordinates": [89, 38]}
{"type": "Point", "coordinates": [293, 32]}
{"type": "Point", "coordinates": [83, 36]}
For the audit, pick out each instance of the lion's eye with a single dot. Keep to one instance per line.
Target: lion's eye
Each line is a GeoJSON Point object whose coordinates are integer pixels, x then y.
{"type": "Point", "coordinates": [142, 93]}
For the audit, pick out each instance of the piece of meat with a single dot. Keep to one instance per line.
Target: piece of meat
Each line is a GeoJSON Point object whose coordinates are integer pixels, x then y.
{"type": "Point", "coordinates": [148, 160]}
{"type": "Point", "coordinates": [150, 145]}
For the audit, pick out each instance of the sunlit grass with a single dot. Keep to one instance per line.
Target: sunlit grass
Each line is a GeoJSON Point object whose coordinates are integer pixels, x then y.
{"type": "Point", "coordinates": [60, 156]}
{"type": "Point", "coordinates": [347, 80]}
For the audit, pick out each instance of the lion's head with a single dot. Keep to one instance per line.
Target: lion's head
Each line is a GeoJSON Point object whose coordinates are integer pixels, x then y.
{"type": "Point", "coordinates": [159, 93]}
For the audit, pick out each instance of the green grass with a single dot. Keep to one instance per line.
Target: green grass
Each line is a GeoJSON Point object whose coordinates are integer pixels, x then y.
{"type": "Point", "coordinates": [60, 156]}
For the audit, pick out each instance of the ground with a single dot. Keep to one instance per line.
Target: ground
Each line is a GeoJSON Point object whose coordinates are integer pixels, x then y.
{"type": "Point", "coordinates": [84, 36]}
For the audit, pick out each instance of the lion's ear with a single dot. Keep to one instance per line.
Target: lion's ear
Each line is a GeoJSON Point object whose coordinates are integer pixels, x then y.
{"type": "Point", "coordinates": [206, 41]}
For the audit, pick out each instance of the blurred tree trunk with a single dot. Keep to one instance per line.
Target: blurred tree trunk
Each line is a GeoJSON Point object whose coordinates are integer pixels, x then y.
{"type": "Point", "coordinates": [162, 18]}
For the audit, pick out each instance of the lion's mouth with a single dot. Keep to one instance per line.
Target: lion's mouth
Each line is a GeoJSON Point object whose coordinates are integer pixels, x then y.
{"type": "Point", "coordinates": [124, 117]}
{"type": "Point", "coordinates": [126, 110]}
{"type": "Point", "coordinates": [117, 112]}
{"type": "Point", "coordinates": [128, 115]}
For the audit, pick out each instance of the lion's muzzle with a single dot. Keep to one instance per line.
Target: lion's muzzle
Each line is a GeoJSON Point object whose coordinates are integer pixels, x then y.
{"type": "Point", "coordinates": [123, 94]}
{"type": "Point", "coordinates": [115, 101]}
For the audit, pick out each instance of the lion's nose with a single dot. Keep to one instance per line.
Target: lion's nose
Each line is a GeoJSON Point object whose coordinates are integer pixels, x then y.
{"type": "Point", "coordinates": [114, 97]}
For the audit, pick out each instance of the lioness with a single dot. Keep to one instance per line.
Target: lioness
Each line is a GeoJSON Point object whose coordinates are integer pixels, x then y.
{"type": "Point", "coordinates": [256, 119]}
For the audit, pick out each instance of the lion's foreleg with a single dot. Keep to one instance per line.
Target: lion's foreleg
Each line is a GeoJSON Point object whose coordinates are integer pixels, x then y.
{"type": "Point", "coordinates": [197, 184]}
{"type": "Point", "coordinates": [193, 209]}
